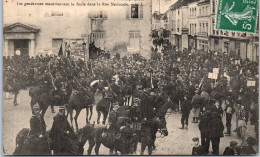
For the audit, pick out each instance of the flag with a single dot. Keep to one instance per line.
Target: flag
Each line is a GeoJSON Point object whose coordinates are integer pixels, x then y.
{"type": "Point", "coordinates": [60, 51]}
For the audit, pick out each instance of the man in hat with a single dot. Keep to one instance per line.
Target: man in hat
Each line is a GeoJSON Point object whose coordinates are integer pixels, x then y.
{"type": "Point", "coordinates": [204, 130]}
{"type": "Point", "coordinates": [230, 151]}
{"type": "Point", "coordinates": [46, 82]}
{"type": "Point", "coordinates": [217, 108]}
{"type": "Point", "coordinates": [146, 106]}
{"type": "Point", "coordinates": [117, 92]}
{"type": "Point", "coordinates": [37, 123]}
{"type": "Point", "coordinates": [229, 111]}
{"type": "Point", "coordinates": [185, 110]}
{"type": "Point", "coordinates": [216, 129]}
{"type": "Point", "coordinates": [59, 133]}
{"type": "Point", "coordinates": [195, 102]}
{"type": "Point", "coordinates": [197, 150]}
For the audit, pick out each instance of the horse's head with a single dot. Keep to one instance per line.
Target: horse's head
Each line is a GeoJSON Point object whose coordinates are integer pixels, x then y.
{"type": "Point", "coordinates": [162, 127]}
{"type": "Point", "coordinates": [97, 85]}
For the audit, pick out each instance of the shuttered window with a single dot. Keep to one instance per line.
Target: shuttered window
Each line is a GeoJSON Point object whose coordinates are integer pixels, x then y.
{"type": "Point", "coordinates": [135, 11]}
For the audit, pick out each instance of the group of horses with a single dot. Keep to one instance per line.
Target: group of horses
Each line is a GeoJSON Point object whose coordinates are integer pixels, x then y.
{"type": "Point", "coordinates": [126, 139]}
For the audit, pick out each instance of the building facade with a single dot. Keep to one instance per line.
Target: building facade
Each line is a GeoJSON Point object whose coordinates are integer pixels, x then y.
{"type": "Point", "coordinates": [123, 28]}
{"type": "Point", "coordinates": [42, 30]}
{"type": "Point", "coordinates": [237, 44]}
{"type": "Point", "coordinates": [200, 27]}
{"type": "Point", "coordinates": [203, 24]}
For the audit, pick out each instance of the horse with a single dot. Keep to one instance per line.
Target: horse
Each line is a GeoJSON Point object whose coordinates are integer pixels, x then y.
{"type": "Point", "coordinates": [103, 107]}
{"type": "Point", "coordinates": [25, 146]}
{"type": "Point", "coordinates": [118, 136]}
{"type": "Point", "coordinates": [42, 96]}
{"type": "Point", "coordinates": [78, 102]}
{"type": "Point", "coordinates": [147, 134]}
{"type": "Point", "coordinates": [43, 145]}
{"type": "Point", "coordinates": [45, 100]}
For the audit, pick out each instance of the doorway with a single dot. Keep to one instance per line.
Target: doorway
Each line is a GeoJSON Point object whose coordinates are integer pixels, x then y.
{"type": "Point", "coordinates": [21, 47]}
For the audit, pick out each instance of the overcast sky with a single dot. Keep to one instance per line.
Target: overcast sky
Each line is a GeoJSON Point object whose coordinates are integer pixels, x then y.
{"type": "Point", "coordinates": [165, 4]}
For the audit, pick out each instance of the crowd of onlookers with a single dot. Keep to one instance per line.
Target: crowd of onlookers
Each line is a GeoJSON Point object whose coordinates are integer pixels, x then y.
{"type": "Point", "coordinates": [181, 76]}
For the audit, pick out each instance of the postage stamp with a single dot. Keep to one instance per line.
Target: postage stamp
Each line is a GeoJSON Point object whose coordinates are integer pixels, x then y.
{"type": "Point", "coordinates": [237, 15]}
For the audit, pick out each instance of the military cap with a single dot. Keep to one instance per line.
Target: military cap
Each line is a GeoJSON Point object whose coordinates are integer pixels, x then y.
{"type": "Point", "coordinates": [195, 139]}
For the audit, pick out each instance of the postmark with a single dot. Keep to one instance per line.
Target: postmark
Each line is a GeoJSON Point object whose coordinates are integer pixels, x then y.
{"type": "Point", "coordinates": [237, 15]}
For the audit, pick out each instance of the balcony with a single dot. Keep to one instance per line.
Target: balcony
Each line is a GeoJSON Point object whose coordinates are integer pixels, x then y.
{"type": "Point", "coordinates": [205, 34]}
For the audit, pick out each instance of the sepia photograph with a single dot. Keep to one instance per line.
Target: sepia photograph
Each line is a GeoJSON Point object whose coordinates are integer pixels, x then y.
{"type": "Point", "coordinates": [130, 77]}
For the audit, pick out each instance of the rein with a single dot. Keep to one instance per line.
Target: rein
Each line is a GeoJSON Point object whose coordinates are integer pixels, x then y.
{"type": "Point", "coordinates": [161, 131]}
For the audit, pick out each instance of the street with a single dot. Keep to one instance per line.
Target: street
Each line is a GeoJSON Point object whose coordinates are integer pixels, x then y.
{"type": "Point", "coordinates": [178, 142]}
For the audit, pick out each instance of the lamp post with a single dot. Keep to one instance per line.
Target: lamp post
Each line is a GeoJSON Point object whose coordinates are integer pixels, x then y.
{"type": "Point", "coordinates": [84, 50]}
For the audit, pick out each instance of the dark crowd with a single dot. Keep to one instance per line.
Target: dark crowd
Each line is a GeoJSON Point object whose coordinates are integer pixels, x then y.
{"type": "Point", "coordinates": [170, 76]}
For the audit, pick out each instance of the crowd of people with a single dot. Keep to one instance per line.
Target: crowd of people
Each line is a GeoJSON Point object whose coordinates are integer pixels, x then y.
{"type": "Point", "coordinates": [178, 77]}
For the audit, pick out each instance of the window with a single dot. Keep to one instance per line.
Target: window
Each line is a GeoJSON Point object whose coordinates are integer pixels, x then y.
{"type": "Point", "coordinates": [200, 12]}
{"type": "Point", "coordinates": [226, 47]}
{"type": "Point", "coordinates": [56, 44]}
{"type": "Point", "coordinates": [195, 30]}
{"type": "Point", "coordinates": [203, 27]}
{"type": "Point", "coordinates": [134, 40]}
{"type": "Point", "coordinates": [178, 25]}
{"type": "Point", "coordinates": [206, 10]}
{"type": "Point", "coordinates": [135, 11]}
{"type": "Point", "coordinates": [213, 7]}
{"type": "Point", "coordinates": [206, 27]}
{"type": "Point", "coordinates": [190, 12]}
{"type": "Point", "coordinates": [195, 11]}
{"type": "Point", "coordinates": [200, 27]}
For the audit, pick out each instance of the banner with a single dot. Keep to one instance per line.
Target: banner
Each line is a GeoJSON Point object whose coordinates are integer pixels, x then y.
{"type": "Point", "coordinates": [250, 83]}
{"type": "Point", "coordinates": [216, 70]}
{"type": "Point", "coordinates": [213, 76]}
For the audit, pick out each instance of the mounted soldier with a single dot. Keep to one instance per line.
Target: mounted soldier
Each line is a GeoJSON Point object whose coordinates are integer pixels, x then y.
{"type": "Point", "coordinates": [117, 92]}
{"type": "Point", "coordinates": [37, 134]}
{"type": "Point", "coordinates": [37, 123]}
{"type": "Point", "coordinates": [59, 89]}
{"type": "Point", "coordinates": [46, 82]}
{"type": "Point", "coordinates": [84, 88]}
{"type": "Point", "coordinates": [59, 133]}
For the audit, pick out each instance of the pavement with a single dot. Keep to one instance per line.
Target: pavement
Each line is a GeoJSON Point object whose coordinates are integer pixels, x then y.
{"type": "Point", "coordinates": [178, 142]}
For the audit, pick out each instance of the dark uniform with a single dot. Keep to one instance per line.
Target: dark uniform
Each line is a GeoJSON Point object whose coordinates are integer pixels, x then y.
{"type": "Point", "coordinates": [185, 110]}
{"type": "Point", "coordinates": [59, 135]}
{"type": "Point", "coordinates": [117, 93]}
{"type": "Point", "coordinates": [216, 129]}
{"type": "Point", "coordinates": [37, 125]}
{"type": "Point", "coordinates": [229, 111]}
{"type": "Point", "coordinates": [146, 107]}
